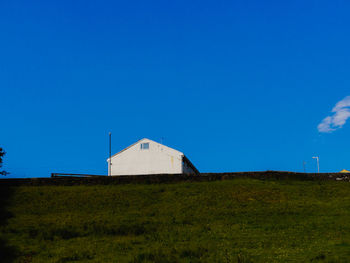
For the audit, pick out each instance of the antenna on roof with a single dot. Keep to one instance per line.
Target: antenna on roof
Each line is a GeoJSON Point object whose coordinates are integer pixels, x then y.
{"type": "Point", "coordinates": [110, 155]}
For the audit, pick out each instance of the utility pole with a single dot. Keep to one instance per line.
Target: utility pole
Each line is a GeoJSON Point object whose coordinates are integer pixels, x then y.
{"type": "Point", "coordinates": [110, 155]}
{"type": "Point", "coordinates": [318, 163]}
{"type": "Point", "coordinates": [304, 165]}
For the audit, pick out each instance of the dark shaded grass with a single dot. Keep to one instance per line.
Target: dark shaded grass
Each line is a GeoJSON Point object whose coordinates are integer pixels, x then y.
{"type": "Point", "coordinates": [8, 253]}
{"type": "Point", "coordinates": [241, 220]}
{"type": "Point", "coordinates": [49, 232]}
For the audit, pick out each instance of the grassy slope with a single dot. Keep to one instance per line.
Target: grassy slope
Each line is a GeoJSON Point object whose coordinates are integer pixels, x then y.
{"type": "Point", "coordinates": [241, 220]}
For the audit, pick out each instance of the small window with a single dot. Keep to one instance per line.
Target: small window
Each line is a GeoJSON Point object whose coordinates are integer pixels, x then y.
{"type": "Point", "coordinates": [145, 146]}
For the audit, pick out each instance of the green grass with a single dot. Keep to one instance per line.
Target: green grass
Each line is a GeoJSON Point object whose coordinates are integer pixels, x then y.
{"type": "Point", "coordinates": [242, 220]}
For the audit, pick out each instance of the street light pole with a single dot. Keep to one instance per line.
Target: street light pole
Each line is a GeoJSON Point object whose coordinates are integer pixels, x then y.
{"type": "Point", "coordinates": [318, 163]}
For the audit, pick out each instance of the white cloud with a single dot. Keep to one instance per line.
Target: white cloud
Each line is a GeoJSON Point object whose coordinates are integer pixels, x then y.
{"type": "Point", "coordinates": [341, 113]}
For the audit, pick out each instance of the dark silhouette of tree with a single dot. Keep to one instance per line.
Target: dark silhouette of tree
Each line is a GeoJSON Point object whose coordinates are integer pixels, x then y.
{"type": "Point", "coordinates": [2, 153]}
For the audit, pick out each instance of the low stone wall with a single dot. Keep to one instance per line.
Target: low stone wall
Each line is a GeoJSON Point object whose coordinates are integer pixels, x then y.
{"type": "Point", "coordinates": [281, 175]}
{"type": "Point", "coordinates": [171, 178]}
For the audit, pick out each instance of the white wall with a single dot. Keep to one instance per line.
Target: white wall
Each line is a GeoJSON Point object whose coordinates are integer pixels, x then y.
{"type": "Point", "coordinates": [158, 159]}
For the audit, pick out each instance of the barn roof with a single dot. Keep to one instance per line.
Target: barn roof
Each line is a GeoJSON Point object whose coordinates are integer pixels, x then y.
{"type": "Point", "coordinates": [141, 141]}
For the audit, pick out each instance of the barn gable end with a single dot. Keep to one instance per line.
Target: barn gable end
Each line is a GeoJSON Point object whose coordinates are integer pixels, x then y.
{"type": "Point", "coordinates": [149, 157]}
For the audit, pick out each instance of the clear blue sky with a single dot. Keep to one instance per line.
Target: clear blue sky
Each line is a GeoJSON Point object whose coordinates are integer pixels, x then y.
{"type": "Point", "coordinates": [235, 85]}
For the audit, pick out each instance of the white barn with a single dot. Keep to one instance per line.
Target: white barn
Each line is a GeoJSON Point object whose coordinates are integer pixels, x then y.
{"type": "Point", "coordinates": [149, 157]}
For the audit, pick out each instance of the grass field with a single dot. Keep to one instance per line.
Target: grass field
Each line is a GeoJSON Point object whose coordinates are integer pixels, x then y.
{"type": "Point", "coordinates": [242, 220]}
